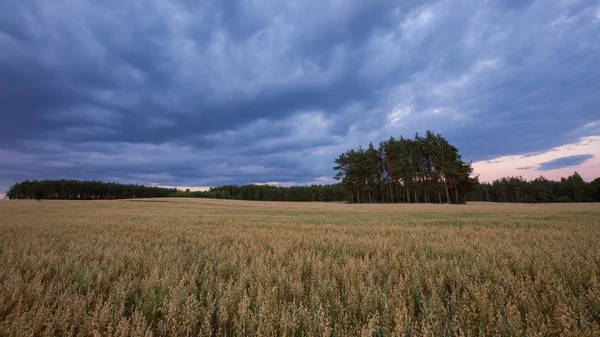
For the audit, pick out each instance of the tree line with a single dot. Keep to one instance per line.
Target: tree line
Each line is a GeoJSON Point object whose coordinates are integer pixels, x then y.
{"type": "Point", "coordinates": [517, 189]}
{"type": "Point", "coordinates": [425, 169]}
{"type": "Point", "coordinates": [334, 192]}
{"type": "Point", "coordinates": [82, 190]}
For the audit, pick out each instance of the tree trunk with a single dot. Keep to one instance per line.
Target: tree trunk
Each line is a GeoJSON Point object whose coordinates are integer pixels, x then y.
{"type": "Point", "coordinates": [456, 193]}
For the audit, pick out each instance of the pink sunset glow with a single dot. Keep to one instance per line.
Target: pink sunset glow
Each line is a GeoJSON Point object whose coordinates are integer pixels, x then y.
{"type": "Point", "coordinates": [528, 166]}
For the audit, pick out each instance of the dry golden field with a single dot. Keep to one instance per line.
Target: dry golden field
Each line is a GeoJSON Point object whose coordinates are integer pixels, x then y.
{"type": "Point", "coordinates": [233, 268]}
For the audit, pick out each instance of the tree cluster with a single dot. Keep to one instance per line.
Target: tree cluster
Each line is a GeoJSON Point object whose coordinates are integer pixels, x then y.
{"type": "Point", "coordinates": [420, 170]}
{"type": "Point", "coordinates": [333, 192]}
{"type": "Point", "coordinates": [517, 189]}
{"type": "Point", "coordinates": [82, 190]}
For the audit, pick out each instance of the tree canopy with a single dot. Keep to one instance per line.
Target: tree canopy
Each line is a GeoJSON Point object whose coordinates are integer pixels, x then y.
{"type": "Point", "coordinates": [82, 190]}
{"type": "Point", "coordinates": [424, 169]}
{"type": "Point", "coordinates": [334, 192]}
{"type": "Point", "coordinates": [517, 189]}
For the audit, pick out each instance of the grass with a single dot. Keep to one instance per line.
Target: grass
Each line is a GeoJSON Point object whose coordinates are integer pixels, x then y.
{"type": "Point", "coordinates": [234, 268]}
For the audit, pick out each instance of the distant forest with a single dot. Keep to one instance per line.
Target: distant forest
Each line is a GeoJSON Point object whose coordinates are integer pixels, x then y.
{"type": "Point", "coordinates": [508, 189]}
{"type": "Point", "coordinates": [82, 190]}
{"type": "Point", "coordinates": [334, 192]}
{"type": "Point", "coordinates": [517, 189]}
{"type": "Point", "coordinates": [424, 169]}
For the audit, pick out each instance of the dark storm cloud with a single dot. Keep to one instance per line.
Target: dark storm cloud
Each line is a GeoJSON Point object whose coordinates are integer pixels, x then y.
{"type": "Point", "coordinates": [206, 93]}
{"type": "Point", "coordinates": [564, 162]}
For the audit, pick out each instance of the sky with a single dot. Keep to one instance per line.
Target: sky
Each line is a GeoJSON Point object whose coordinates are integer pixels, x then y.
{"type": "Point", "coordinates": [205, 93]}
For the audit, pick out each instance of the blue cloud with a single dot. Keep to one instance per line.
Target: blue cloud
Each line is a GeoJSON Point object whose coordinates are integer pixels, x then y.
{"type": "Point", "coordinates": [564, 162]}
{"type": "Point", "coordinates": [212, 92]}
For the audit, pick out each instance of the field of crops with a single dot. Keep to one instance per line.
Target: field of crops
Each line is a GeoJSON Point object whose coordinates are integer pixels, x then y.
{"type": "Point", "coordinates": [207, 267]}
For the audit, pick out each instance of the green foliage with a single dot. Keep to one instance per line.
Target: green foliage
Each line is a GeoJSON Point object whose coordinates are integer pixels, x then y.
{"type": "Point", "coordinates": [423, 169]}
{"type": "Point", "coordinates": [82, 190]}
{"type": "Point", "coordinates": [539, 190]}
{"type": "Point", "coordinates": [333, 192]}
{"type": "Point", "coordinates": [563, 199]}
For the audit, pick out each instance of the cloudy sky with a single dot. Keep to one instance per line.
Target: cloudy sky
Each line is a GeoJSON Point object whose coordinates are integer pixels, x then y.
{"type": "Point", "coordinates": [203, 93]}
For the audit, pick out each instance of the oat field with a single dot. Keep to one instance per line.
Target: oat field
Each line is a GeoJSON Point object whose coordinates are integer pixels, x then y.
{"type": "Point", "coordinates": [230, 268]}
